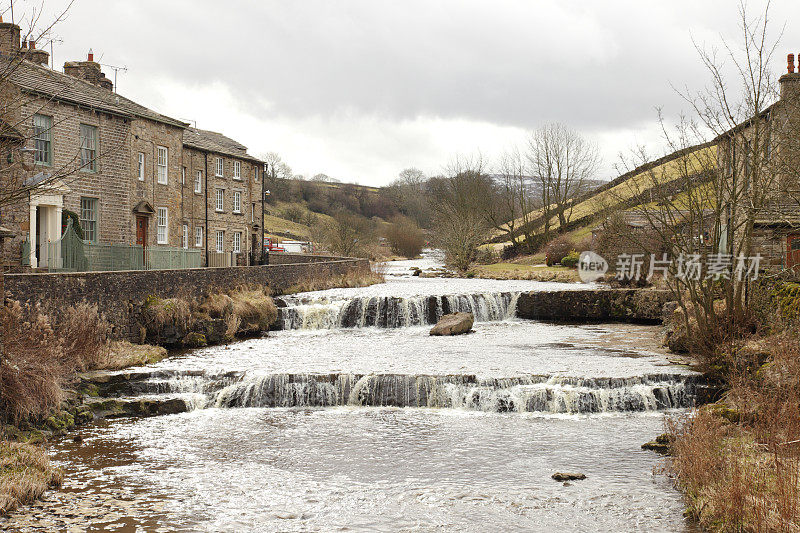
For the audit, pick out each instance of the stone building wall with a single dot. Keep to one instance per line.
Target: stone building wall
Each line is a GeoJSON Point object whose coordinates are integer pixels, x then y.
{"type": "Point", "coordinates": [108, 183]}
{"type": "Point", "coordinates": [147, 136]}
{"type": "Point", "coordinates": [193, 205]}
{"type": "Point", "coordinates": [229, 221]}
{"type": "Point", "coordinates": [120, 295]}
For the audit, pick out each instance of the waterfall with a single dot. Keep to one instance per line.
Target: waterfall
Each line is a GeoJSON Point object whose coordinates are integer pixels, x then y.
{"type": "Point", "coordinates": [544, 394]}
{"type": "Point", "coordinates": [392, 312]}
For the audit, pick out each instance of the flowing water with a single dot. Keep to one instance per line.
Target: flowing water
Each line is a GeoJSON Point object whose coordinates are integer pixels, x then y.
{"type": "Point", "coordinates": [352, 418]}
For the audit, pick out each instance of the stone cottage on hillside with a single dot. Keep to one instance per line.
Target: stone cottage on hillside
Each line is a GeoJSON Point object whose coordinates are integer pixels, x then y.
{"type": "Point", "coordinates": [131, 175]}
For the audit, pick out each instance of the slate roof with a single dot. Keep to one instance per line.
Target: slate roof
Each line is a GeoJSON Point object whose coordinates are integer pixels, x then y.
{"type": "Point", "coordinates": [58, 86]}
{"type": "Point", "coordinates": [211, 141]}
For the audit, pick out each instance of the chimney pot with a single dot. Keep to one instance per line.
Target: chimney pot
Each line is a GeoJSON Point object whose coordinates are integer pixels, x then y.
{"type": "Point", "coordinates": [91, 55]}
{"type": "Point", "coordinates": [790, 61]}
{"type": "Point", "coordinates": [32, 44]}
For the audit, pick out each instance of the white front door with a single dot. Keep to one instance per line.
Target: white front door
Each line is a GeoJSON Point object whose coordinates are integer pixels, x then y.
{"type": "Point", "coordinates": [45, 224]}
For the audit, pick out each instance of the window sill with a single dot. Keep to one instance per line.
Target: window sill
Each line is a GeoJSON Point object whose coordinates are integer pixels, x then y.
{"type": "Point", "coordinates": [218, 211]}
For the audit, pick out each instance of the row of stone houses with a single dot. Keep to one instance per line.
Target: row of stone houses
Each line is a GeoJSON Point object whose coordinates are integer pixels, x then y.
{"type": "Point", "coordinates": [133, 176]}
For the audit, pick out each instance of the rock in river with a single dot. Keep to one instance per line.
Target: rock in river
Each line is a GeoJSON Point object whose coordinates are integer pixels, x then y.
{"type": "Point", "coordinates": [567, 476]}
{"type": "Point", "coordinates": [454, 324]}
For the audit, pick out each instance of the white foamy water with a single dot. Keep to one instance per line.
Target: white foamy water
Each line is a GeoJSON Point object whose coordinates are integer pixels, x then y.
{"type": "Point", "coordinates": [364, 428]}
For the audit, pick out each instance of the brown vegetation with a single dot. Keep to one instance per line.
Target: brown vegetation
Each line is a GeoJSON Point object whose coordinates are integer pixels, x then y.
{"type": "Point", "coordinates": [738, 461]}
{"type": "Point", "coordinates": [39, 358]}
{"type": "Point", "coordinates": [243, 311]}
{"type": "Point", "coordinates": [352, 279]}
{"type": "Point", "coordinates": [405, 238]}
{"type": "Point", "coordinates": [558, 249]}
{"type": "Point", "coordinates": [25, 473]}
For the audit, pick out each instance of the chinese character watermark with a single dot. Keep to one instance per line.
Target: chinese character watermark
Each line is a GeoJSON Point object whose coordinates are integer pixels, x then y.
{"type": "Point", "coordinates": [685, 267]}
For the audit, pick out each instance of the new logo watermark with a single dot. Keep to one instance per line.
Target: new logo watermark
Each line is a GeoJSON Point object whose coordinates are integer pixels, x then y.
{"type": "Point", "coordinates": [591, 267]}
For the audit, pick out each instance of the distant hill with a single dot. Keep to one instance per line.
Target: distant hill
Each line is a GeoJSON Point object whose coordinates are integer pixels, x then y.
{"type": "Point", "coordinates": [623, 193]}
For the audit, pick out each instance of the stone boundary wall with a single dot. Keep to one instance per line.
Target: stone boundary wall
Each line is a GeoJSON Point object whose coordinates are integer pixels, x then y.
{"type": "Point", "coordinates": [120, 295]}
{"type": "Point", "coordinates": [601, 305]}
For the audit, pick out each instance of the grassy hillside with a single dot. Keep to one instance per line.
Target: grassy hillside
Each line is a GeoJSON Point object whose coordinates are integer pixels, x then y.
{"type": "Point", "coordinates": [631, 189]}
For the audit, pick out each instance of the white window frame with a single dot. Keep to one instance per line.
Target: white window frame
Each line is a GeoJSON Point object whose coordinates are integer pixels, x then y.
{"type": "Point", "coordinates": [183, 175]}
{"type": "Point", "coordinates": [237, 170]}
{"type": "Point", "coordinates": [220, 168]}
{"type": "Point", "coordinates": [88, 141]}
{"type": "Point", "coordinates": [89, 218]}
{"type": "Point", "coordinates": [237, 202]}
{"type": "Point", "coordinates": [220, 241]}
{"type": "Point", "coordinates": [219, 206]}
{"type": "Point", "coordinates": [141, 166]}
{"type": "Point", "coordinates": [43, 139]}
{"type": "Point", "coordinates": [198, 236]}
{"type": "Point", "coordinates": [185, 237]}
{"type": "Point", "coordinates": [162, 165]}
{"type": "Point", "coordinates": [237, 242]}
{"type": "Point", "coordinates": [198, 182]}
{"type": "Point", "coordinates": [255, 173]}
{"type": "Point", "coordinates": [162, 226]}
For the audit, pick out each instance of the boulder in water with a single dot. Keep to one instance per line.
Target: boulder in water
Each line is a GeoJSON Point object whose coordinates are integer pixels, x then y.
{"type": "Point", "coordinates": [567, 476]}
{"type": "Point", "coordinates": [454, 324]}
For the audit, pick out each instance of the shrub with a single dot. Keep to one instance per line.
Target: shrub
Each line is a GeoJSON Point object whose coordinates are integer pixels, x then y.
{"type": "Point", "coordinates": [571, 259]}
{"type": "Point", "coordinates": [486, 256]}
{"type": "Point", "coordinates": [293, 213]}
{"type": "Point", "coordinates": [558, 249]}
{"type": "Point", "coordinates": [405, 238]}
{"type": "Point", "coordinates": [510, 251]}
{"type": "Point", "coordinates": [39, 358]}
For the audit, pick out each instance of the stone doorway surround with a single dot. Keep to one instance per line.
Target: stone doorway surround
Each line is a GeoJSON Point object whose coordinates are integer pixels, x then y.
{"type": "Point", "coordinates": [49, 202]}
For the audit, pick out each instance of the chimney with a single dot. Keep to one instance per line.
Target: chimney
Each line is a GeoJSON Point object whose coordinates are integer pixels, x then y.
{"type": "Point", "coordinates": [9, 39]}
{"type": "Point", "coordinates": [790, 82]}
{"type": "Point", "coordinates": [88, 71]}
{"type": "Point", "coordinates": [40, 57]}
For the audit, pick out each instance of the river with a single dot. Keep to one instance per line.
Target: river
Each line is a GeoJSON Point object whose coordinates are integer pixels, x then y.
{"type": "Point", "coordinates": [353, 419]}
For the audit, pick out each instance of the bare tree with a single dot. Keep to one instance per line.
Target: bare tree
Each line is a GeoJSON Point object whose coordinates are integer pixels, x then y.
{"type": "Point", "coordinates": [562, 160]}
{"type": "Point", "coordinates": [408, 193]}
{"type": "Point", "coordinates": [512, 207]}
{"type": "Point", "coordinates": [347, 234]}
{"type": "Point", "coordinates": [702, 203]}
{"type": "Point", "coordinates": [458, 202]}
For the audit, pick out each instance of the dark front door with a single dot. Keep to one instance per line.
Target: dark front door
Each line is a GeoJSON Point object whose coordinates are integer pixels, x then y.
{"type": "Point", "coordinates": [141, 231]}
{"type": "Point", "coordinates": [792, 250]}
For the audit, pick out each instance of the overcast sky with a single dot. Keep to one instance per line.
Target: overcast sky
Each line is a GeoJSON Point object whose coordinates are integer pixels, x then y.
{"type": "Point", "coordinates": [361, 89]}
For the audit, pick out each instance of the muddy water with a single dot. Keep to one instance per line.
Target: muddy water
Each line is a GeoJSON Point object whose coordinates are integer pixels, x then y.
{"type": "Point", "coordinates": [480, 460]}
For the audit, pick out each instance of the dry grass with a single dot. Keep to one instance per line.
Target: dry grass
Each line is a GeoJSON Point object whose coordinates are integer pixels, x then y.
{"type": "Point", "coordinates": [738, 461]}
{"type": "Point", "coordinates": [349, 280]}
{"type": "Point", "coordinates": [25, 473]}
{"type": "Point", "coordinates": [254, 307]}
{"type": "Point", "coordinates": [514, 271]}
{"type": "Point", "coordinates": [123, 354]}
{"type": "Point", "coordinates": [161, 312]}
{"type": "Point", "coordinates": [39, 358]}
